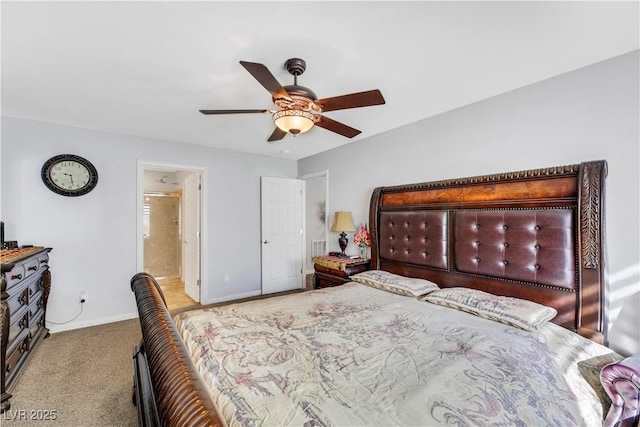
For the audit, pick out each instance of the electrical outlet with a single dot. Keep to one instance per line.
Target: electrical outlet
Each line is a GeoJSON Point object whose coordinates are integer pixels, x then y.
{"type": "Point", "coordinates": [83, 298]}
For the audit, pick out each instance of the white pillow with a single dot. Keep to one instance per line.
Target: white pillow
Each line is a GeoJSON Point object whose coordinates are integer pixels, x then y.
{"type": "Point", "coordinates": [523, 314]}
{"type": "Point", "coordinates": [395, 283]}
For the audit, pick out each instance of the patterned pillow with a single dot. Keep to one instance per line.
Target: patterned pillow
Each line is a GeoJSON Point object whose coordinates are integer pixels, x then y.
{"type": "Point", "coordinates": [395, 283]}
{"type": "Point", "coordinates": [517, 312]}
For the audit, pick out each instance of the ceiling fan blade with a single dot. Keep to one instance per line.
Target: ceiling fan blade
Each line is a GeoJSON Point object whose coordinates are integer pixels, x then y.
{"type": "Point", "coordinates": [337, 127]}
{"type": "Point", "coordinates": [266, 79]}
{"type": "Point", "coordinates": [277, 135]}
{"type": "Point", "coordinates": [232, 111]}
{"type": "Point", "coordinates": [353, 100]}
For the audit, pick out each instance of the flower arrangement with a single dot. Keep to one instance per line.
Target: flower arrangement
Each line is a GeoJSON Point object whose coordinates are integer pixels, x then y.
{"type": "Point", "coordinates": [362, 237]}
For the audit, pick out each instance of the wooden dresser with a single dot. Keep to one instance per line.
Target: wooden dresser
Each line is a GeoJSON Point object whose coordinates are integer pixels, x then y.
{"type": "Point", "coordinates": [26, 282]}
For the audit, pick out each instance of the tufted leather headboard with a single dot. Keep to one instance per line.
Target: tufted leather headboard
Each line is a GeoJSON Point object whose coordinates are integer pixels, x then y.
{"type": "Point", "coordinates": [536, 234]}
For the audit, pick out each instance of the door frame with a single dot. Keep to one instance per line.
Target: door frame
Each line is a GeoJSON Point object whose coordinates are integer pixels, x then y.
{"type": "Point", "coordinates": [143, 165]}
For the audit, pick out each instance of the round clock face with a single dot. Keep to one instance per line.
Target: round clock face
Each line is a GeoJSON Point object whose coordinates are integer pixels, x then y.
{"type": "Point", "coordinates": [69, 175]}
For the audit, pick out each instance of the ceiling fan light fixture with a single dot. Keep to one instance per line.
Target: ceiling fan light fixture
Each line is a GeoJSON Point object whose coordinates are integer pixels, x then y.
{"type": "Point", "coordinates": [294, 121]}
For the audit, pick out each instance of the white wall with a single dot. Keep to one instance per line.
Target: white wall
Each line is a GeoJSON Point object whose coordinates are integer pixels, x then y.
{"type": "Point", "coordinates": [152, 181]}
{"type": "Point", "coordinates": [94, 236]}
{"type": "Point", "coordinates": [588, 114]}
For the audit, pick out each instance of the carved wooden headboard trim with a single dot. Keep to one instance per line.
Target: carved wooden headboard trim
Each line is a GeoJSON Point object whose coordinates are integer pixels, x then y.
{"type": "Point", "coordinates": [579, 189]}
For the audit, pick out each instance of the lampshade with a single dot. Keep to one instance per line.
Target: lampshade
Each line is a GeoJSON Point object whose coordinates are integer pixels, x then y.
{"type": "Point", "coordinates": [342, 221]}
{"type": "Point", "coordinates": [294, 121]}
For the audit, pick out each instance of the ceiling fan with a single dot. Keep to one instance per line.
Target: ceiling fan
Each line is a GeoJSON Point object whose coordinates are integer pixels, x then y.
{"type": "Point", "coordinates": [299, 109]}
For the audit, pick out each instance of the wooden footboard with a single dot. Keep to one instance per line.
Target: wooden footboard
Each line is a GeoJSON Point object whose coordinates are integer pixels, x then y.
{"type": "Point", "coordinates": [168, 390]}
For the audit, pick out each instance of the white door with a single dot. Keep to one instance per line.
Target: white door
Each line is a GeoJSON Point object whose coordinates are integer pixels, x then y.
{"type": "Point", "coordinates": [282, 234]}
{"type": "Point", "coordinates": [191, 237]}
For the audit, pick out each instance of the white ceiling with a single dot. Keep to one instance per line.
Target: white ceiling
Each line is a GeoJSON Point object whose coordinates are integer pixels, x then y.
{"type": "Point", "coordinates": [146, 68]}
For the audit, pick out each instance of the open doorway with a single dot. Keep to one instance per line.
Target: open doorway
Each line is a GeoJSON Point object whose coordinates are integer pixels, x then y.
{"type": "Point", "coordinates": [316, 208]}
{"type": "Point", "coordinates": [169, 222]}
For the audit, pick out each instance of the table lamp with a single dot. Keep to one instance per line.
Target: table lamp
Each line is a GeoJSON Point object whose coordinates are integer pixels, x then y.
{"type": "Point", "coordinates": [342, 221]}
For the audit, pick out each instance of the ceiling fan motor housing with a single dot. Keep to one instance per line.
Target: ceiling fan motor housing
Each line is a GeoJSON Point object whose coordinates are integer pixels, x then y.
{"type": "Point", "coordinates": [295, 66]}
{"type": "Point", "coordinates": [301, 91]}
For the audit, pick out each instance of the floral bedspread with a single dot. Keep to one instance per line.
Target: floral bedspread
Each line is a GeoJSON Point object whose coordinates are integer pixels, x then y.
{"type": "Point", "coordinates": [354, 355]}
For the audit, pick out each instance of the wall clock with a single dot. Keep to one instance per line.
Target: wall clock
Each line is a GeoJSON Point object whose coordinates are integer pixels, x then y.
{"type": "Point", "coordinates": [69, 175]}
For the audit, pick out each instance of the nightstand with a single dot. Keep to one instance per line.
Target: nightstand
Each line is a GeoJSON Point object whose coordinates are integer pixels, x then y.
{"type": "Point", "coordinates": [335, 271]}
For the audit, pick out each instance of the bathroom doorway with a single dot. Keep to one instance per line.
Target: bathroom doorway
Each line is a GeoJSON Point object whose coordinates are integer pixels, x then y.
{"type": "Point", "coordinates": [170, 230]}
{"type": "Point", "coordinates": [161, 223]}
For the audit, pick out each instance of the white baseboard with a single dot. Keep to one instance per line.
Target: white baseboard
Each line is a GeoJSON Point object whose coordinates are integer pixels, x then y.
{"type": "Point", "coordinates": [231, 297]}
{"type": "Point", "coordinates": [95, 322]}
{"type": "Point", "coordinates": [133, 315]}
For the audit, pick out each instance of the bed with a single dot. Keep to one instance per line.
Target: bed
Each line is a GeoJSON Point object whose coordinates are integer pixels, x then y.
{"type": "Point", "coordinates": [485, 304]}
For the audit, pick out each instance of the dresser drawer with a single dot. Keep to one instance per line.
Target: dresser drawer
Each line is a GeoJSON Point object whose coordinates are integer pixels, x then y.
{"type": "Point", "coordinates": [15, 358]}
{"type": "Point", "coordinates": [36, 304]}
{"type": "Point", "coordinates": [19, 299]}
{"type": "Point", "coordinates": [20, 324]}
{"type": "Point", "coordinates": [31, 267]}
{"type": "Point", "coordinates": [322, 280]}
{"type": "Point", "coordinates": [36, 325]}
{"type": "Point", "coordinates": [34, 287]}
{"type": "Point", "coordinates": [331, 271]}
{"type": "Point", "coordinates": [43, 258]}
{"type": "Point", "coordinates": [15, 276]}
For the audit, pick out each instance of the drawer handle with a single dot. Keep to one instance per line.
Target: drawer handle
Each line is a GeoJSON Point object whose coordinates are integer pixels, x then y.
{"type": "Point", "coordinates": [33, 268]}
{"type": "Point", "coordinates": [22, 299]}
{"type": "Point", "coordinates": [43, 261]}
{"type": "Point", "coordinates": [24, 323]}
{"type": "Point", "coordinates": [8, 368]}
{"type": "Point", "coordinates": [16, 276]}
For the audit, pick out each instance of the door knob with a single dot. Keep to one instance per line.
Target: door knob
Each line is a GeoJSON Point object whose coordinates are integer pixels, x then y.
{"type": "Point", "coordinates": [266, 241]}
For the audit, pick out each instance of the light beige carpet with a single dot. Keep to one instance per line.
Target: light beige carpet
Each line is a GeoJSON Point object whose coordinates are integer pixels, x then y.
{"type": "Point", "coordinates": [83, 376]}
